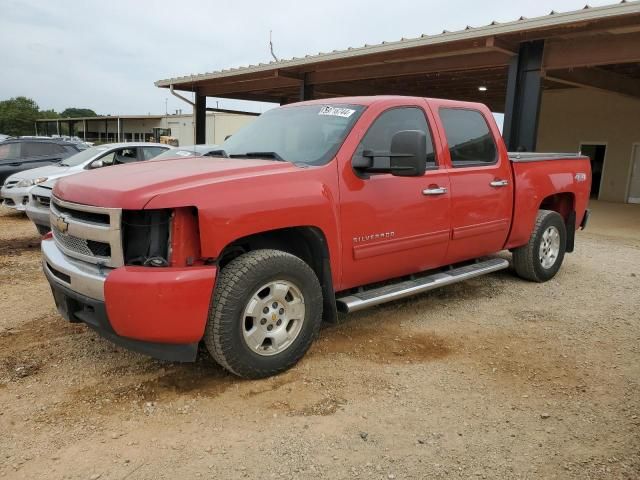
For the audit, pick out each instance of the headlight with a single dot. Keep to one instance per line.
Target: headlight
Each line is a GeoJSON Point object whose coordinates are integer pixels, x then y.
{"type": "Point", "coordinates": [40, 180]}
{"type": "Point", "coordinates": [24, 183]}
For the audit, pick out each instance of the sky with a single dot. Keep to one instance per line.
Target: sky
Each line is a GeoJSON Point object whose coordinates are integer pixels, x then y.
{"type": "Point", "coordinates": [107, 55]}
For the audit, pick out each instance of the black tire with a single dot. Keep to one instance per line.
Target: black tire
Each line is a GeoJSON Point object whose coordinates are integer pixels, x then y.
{"type": "Point", "coordinates": [236, 285]}
{"type": "Point", "coordinates": [526, 259]}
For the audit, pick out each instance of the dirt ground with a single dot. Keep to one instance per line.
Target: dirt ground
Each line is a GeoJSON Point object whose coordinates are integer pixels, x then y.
{"type": "Point", "coordinates": [493, 378]}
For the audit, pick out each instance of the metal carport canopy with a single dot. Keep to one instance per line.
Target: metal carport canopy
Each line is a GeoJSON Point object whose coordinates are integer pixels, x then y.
{"type": "Point", "coordinates": [451, 64]}
{"type": "Point", "coordinates": [594, 47]}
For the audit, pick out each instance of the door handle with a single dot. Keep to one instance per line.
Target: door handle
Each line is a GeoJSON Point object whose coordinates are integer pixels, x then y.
{"type": "Point", "coordinates": [499, 183]}
{"type": "Point", "coordinates": [434, 191]}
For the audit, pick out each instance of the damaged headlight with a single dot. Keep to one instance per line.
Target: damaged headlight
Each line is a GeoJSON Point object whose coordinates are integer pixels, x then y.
{"type": "Point", "coordinates": [145, 235]}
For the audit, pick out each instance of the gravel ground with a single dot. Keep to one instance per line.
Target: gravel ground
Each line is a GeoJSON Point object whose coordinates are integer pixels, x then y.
{"type": "Point", "coordinates": [493, 378]}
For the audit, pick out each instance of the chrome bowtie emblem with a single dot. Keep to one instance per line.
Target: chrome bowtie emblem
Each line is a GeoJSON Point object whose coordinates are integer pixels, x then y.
{"type": "Point", "coordinates": [61, 224]}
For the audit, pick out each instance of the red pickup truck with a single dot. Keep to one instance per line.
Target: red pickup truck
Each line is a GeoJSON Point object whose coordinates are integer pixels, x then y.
{"type": "Point", "coordinates": [314, 208]}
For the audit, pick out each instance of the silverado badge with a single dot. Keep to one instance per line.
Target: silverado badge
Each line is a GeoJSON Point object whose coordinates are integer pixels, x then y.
{"type": "Point", "coordinates": [373, 236]}
{"type": "Point", "coordinates": [61, 224]}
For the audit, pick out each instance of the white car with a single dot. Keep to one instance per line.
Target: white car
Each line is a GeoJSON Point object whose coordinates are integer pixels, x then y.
{"type": "Point", "coordinates": [17, 186]}
{"type": "Point", "coordinates": [40, 195]}
{"type": "Point", "coordinates": [189, 151]}
{"type": "Point", "coordinates": [38, 206]}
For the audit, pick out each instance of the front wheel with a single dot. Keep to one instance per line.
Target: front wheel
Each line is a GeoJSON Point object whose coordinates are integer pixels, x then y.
{"type": "Point", "coordinates": [541, 258]}
{"type": "Point", "coordinates": [266, 311]}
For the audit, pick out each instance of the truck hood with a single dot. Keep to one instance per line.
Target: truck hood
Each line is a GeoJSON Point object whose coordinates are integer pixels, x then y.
{"type": "Point", "coordinates": [133, 185]}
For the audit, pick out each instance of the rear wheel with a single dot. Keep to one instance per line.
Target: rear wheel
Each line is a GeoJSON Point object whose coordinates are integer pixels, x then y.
{"type": "Point", "coordinates": [266, 311]}
{"type": "Point", "coordinates": [541, 258]}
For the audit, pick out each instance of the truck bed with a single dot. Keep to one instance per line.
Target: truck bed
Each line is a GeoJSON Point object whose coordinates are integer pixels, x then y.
{"type": "Point", "coordinates": [562, 180]}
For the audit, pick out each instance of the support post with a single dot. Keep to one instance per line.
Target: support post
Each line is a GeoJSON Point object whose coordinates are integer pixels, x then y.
{"type": "Point", "coordinates": [84, 129]}
{"type": "Point", "coordinates": [306, 90]}
{"type": "Point", "coordinates": [58, 127]}
{"type": "Point", "coordinates": [522, 105]}
{"type": "Point", "coordinates": [200, 119]}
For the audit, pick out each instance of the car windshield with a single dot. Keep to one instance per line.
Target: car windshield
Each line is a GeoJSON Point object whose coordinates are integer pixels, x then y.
{"type": "Point", "coordinates": [83, 156]}
{"type": "Point", "coordinates": [308, 134]}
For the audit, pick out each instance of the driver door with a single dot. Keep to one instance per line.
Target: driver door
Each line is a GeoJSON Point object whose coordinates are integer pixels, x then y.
{"type": "Point", "coordinates": [393, 226]}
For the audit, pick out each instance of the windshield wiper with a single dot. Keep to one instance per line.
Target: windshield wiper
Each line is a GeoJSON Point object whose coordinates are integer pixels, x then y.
{"type": "Point", "coordinates": [271, 155]}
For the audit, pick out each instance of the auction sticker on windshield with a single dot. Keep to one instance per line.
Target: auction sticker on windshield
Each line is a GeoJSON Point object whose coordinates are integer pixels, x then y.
{"type": "Point", "coordinates": [336, 111]}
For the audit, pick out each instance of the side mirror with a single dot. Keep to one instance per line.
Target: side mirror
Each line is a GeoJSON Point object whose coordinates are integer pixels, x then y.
{"type": "Point", "coordinates": [408, 153]}
{"type": "Point", "coordinates": [97, 164]}
{"type": "Point", "coordinates": [407, 157]}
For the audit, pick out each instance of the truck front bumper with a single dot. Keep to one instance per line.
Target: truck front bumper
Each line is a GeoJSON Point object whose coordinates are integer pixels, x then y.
{"type": "Point", "coordinates": [160, 312]}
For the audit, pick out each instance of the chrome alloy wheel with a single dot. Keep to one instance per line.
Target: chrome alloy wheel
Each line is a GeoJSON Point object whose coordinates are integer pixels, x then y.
{"type": "Point", "coordinates": [549, 247]}
{"type": "Point", "coordinates": [273, 317]}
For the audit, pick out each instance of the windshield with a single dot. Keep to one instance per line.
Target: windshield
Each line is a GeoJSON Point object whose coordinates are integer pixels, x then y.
{"type": "Point", "coordinates": [83, 156]}
{"type": "Point", "coordinates": [309, 134]}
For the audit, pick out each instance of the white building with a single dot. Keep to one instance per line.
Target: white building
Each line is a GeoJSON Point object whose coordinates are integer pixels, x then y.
{"type": "Point", "coordinates": [220, 124]}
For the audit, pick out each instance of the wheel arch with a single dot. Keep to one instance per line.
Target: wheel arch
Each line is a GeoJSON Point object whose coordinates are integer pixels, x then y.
{"type": "Point", "coordinates": [308, 243]}
{"type": "Point", "coordinates": [563, 203]}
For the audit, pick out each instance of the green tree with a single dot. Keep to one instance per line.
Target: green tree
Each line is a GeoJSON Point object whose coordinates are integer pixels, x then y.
{"type": "Point", "coordinates": [51, 113]}
{"type": "Point", "coordinates": [18, 116]}
{"type": "Point", "coordinates": [73, 112]}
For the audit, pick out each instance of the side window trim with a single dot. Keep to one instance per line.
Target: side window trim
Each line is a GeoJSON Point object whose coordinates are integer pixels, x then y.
{"type": "Point", "coordinates": [471, 164]}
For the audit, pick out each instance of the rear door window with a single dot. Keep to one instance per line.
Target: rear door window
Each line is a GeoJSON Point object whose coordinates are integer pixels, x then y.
{"type": "Point", "coordinates": [150, 152]}
{"type": "Point", "coordinates": [470, 140]}
{"type": "Point", "coordinates": [37, 149]}
{"type": "Point", "coordinates": [10, 151]}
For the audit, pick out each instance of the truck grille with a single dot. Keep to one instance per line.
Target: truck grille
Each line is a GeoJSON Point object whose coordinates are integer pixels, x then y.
{"type": "Point", "coordinates": [81, 245]}
{"type": "Point", "coordinates": [88, 233]}
{"type": "Point", "coordinates": [71, 243]}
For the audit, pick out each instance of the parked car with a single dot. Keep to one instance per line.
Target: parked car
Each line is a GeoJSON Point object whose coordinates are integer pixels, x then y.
{"type": "Point", "coordinates": [4, 137]}
{"type": "Point", "coordinates": [25, 153]}
{"type": "Point", "coordinates": [16, 189]}
{"type": "Point", "coordinates": [319, 206]}
{"type": "Point", "coordinates": [189, 151]}
{"type": "Point", "coordinates": [39, 193]}
{"type": "Point", "coordinates": [38, 205]}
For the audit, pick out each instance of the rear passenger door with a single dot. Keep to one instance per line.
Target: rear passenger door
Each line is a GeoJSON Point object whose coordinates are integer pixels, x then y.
{"type": "Point", "coordinates": [481, 187]}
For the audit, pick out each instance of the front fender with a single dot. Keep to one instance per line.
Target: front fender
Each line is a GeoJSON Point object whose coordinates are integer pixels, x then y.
{"type": "Point", "coordinates": [237, 208]}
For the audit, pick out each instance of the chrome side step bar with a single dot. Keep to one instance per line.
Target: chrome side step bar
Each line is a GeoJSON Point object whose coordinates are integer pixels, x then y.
{"type": "Point", "coordinates": [388, 293]}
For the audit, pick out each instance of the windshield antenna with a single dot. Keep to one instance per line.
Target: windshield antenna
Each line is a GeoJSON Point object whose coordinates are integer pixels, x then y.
{"type": "Point", "coordinates": [271, 47]}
